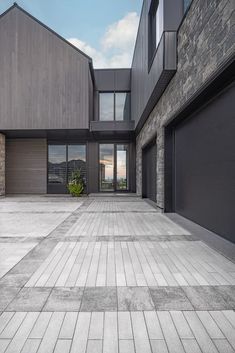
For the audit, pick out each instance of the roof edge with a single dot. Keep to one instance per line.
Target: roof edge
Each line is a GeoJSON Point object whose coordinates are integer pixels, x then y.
{"type": "Point", "coordinates": [15, 5]}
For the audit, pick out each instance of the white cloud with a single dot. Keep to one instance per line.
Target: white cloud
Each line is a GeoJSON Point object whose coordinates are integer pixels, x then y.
{"type": "Point", "coordinates": [122, 34]}
{"type": "Point", "coordinates": [116, 45]}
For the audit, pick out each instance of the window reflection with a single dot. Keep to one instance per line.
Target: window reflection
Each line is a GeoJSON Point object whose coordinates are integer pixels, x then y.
{"type": "Point", "coordinates": [122, 106]}
{"type": "Point", "coordinates": [63, 160]}
{"type": "Point", "coordinates": [76, 160]}
{"type": "Point", "coordinates": [122, 181]}
{"type": "Point", "coordinates": [106, 106]}
{"type": "Point", "coordinates": [114, 106]}
{"type": "Point", "coordinates": [106, 167]}
{"type": "Point", "coordinates": [57, 164]}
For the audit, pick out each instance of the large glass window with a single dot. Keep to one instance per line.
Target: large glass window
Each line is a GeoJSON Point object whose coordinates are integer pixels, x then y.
{"type": "Point", "coordinates": [122, 106]}
{"type": "Point", "coordinates": [106, 106]}
{"type": "Point", "coordinates": [114, 106]}
{"type": "Point", "coordinates": [57, 168]}
{"type": "Point", "coordinates": [106, 167]}
{"type": "Point", "coordinates": [155, 28]}
{"type": "Point", "coordinates": [76, 160]}
{"type": "Point", "coordinates": [63, 160]}
{"type": "Point", "coordinates": [114, 167]}
{"type": "Point", "coordinates": [122, 167]}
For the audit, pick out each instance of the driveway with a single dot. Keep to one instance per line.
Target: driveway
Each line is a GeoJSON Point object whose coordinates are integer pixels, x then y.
{"type": "Point", "coordinates": [112, 275]}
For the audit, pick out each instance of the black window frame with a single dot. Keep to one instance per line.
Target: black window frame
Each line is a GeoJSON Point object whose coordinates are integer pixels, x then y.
{"type": "Point", "coordinates": [114, 105]}
{"type": "Point", "coordinates": [152, 37]}
{"type": "Point", "coordinates": [62, 188]}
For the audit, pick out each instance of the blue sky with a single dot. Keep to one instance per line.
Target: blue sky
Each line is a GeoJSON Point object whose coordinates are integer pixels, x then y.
{"type": "Point", "coordinates": [105, 29]}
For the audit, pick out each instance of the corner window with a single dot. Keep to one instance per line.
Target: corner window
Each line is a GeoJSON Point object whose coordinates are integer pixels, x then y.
{"type": "Point", "coordinates": [114, 106]}
{"type": "Point", "coordinates": [155, 28]}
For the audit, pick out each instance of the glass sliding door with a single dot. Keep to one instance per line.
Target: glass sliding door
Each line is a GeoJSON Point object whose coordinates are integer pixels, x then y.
{"type": "Point", "coordinates": [113, 167]}
{"type": "Point", "coordinates": [63, 161]}
{"type": "Point", "coordinates": [122, 167]}
{"type": "Point", "coordinates": [76, 161]}
{"type": "Point", "coordinates": [57, 167]}
{"type": "Point", "coordinates": [106, 167]}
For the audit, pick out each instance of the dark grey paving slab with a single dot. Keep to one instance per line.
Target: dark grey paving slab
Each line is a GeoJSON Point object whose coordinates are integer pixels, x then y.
{"type": "Point", "coordinates": [7, 294]}
{"type": "Point", "coordinates": [134, 299]}
{"type": "Point", "coordinates": [206, 298]}
{"type": "Point", "coordinates": [64, 299]}
{"type": "Point", "coordinates": [170, 298]}
{"type": "Point", "coordinates": [30, 299]}
{"type": "Point", "coordinates": [228, 294]}
{"type": "Point", "coordinates": [14, 280]}
{"type": "Point", "coordinates": [99, 299]}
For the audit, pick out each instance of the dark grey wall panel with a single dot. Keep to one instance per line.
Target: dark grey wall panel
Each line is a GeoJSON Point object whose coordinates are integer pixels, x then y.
{"type": "Point", "coordinates": [149, 81]}
{"type": "Point", "coordinates": [45, 82]}
{"type": "Point", "coordinates": [93, 167]}
{"type": "Point", "coordinates": [205, 166]}
{"type": "Point", "coordinates": [113, 79]}
{"type": "Point", "coordinates": [26, 166]}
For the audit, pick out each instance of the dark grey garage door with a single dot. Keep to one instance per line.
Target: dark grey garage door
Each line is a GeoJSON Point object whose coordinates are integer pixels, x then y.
{"type": "Point", "coordinates": [149, 155]}
{"type": "Point", "coordinates": [205, 166]}
{"type": "Point", "coordinates": [26, 166]}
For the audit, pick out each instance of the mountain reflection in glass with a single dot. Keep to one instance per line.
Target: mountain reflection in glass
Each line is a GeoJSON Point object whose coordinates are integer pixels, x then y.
{"type": "Point", "coordinates": [76, 160]}
{"type": "Point", "coordinates": [57, 164]}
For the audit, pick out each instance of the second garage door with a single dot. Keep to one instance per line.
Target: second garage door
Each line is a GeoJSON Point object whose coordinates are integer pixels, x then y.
{"type": "Point", "coordinates": [204, 168]}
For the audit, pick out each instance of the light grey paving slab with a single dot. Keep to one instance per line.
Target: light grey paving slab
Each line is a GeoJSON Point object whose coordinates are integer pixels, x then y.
{"type": "Point", "coordinates": [145, 224]}
{"type": "Point", "coordinates": [225, 326]}
{"type": "Point", "coordinates": [29, 299]}
{"type": "Point", "coordinates": [11, 254]}
{"type": "Point", "coordinates": [206, 298]}
{"type": "Point", "coordinates": [96, 326]}
{"type": "Point", "coordinates": [31, 346]}
{"type": "Point", "coordinates": [203, 339]}
{"type": "Point", "coordinates": [40, 326]}
{"type": "Point", "coordinates": [170, 298]}
{"type": "Point", "coordinates": [3, 345]}
{"type": "Point", "coordinates": [121, 206]}
{"type": "Point", "coordinates": [141, 339]}
{"type": "Point", "coordinates": [110, 333]}
{"type": "Point", "coordinates": [124, 326]}
{"type": "Point", "coordinates": [153, 325]}
{"type": "Point", "coordinates": [171, 336]}
{"type": "Point", "coordinates": [62, 346]}
{"type": "Point", "coordinates": [51, 335]}
{"type": "Point", "coordinates": [29, 224]}
{"type": "Point", "coordinates": [4, 319]}
{"type": "Point", "coordinates": [134, 299]}
{"type": "Point", "coordinates": [99, 299]}
{"type": "Point", "coordinates": [126, 346]}
{"type": "Point", "coordinates": [64, 299]}
{"type": "Point", "coordinates": [191, 346]}
{"type": "Point", "coordinates": [80, 338]}
{"type": "Point", "coordinates": [94, 346]}
{"type": "Point", "coordinates": [223, 346]}
{"type": "Point", "coordinates": [159, 346]}
{"type": "Point", "coordinates": [68, 326]}
{"type": "Point", "coordinates": [13, 325]}
{"type": "Point", "coordinates": [38, 207]}
{"type": "Point", "coordinates": [22, 333]}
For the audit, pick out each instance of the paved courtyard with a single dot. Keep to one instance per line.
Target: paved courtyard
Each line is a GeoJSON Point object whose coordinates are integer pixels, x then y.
{"type": "Point", "coordinates": [110, 275]}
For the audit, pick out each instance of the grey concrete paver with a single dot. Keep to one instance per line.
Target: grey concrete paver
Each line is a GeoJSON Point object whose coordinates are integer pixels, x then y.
{"type": "Point", "coordinates": [109, 274]}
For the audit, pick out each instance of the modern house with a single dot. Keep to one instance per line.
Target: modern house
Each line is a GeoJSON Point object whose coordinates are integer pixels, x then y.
{"type": "Point", "coordinates": [165, 128]}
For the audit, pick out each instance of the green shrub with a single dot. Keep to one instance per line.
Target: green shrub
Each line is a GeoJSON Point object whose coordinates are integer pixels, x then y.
{"type": "Point", "coordinates": [76, 184]}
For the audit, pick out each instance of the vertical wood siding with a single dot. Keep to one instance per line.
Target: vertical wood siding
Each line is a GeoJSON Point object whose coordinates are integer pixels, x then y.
{"type": "Point", "coordinates": [26, 166]}
{"type": "Point", "coordinates": [44, 80]}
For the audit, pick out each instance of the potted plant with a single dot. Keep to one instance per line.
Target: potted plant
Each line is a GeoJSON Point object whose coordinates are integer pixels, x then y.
{"type": "Point", "coordinates": [76, 185]}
